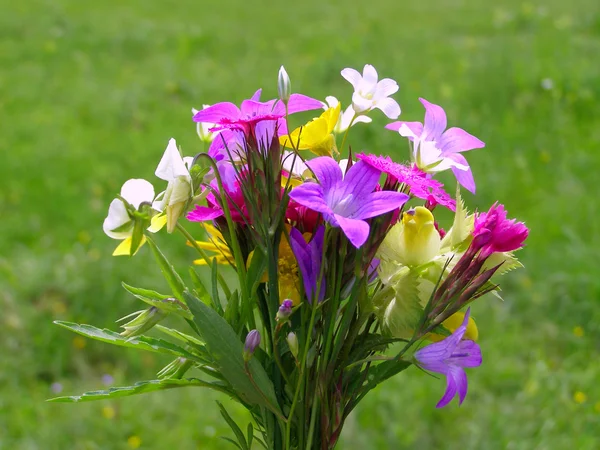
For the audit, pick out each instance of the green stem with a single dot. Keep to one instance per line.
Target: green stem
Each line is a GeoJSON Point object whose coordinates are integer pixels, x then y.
{"type": "Point", "coordinates": [347, 131]}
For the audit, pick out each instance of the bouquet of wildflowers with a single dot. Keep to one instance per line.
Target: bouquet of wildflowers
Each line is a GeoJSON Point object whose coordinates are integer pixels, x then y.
{"type": "Point", "coordinates": [328, 273]}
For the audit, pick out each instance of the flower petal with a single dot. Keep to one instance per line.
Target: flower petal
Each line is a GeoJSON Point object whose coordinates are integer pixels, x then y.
{"type": "Point", "coordinates": [357, 231]}
{"type": "Point", "coordinates": [217, 112]}
{"type": "Point", "coordinates": [353, 76]}
{"type": "Point", "coordinates": [117, 217]}
{"type": "Point", "coordinates": [451, 389]}
{"type": "Point", "coordinates": [327, 171]}
{"type": "Point", "coordinates": [256, 96]}
{"type": "Point", "coordinates": [360, 181]}
{"type": "Point", "coordinates": [136, 191]}
{"type": "Point", "coordinates": [379, 203]}
{"type": "Point", "coordinates": [361, 104]}
{"type": "Point", "coordinates": [202, 213]}
{"type": "Point", "coordinates": [310, 195]}
{"type": "Point", "coordinates": [460, 380]}
{"type": "Point", "coordinates": [369, 75]}
{"type": "Point", "coordinates": [385, 88]}
{"type": "Point", "coordinates": [458, 140]}
{"type": "Point", "coordinates": [299, 103]}
{"type": "Point", "coordinates": [389, 106]}
{"type": "Point", "coordinates": [171, 165]}
{"type": "Point", "coordinates": [410, 130]}
{"type": "Point", "coordinates": [464, 177]}
{"type": "Point", "coordinates": [467, 354]}
{"type": "Point", "coordinates": [435, 120]}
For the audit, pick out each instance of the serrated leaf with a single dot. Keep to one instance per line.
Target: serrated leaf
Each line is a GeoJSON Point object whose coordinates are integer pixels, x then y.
{"type": "Point", "coordinates": [461, 227]}
{"type": "Point", "coordinates": [507, 259]}
{"type": "Point", "coordinates": [404, 311]}
{"type": "Point", "coordinates": [139, 342]}
{"type": "Point", "coordinates": [163, 302]}
{"type": "Point", "coordinates": [139, 388]}
{"type": "Point", "coordinates": [227, 349]}
{"type": "Point", "coordinates": [172, 277]}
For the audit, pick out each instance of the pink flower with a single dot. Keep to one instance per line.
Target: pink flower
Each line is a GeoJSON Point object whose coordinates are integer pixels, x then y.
{"type": "Point", "coordinates": [493, 232]}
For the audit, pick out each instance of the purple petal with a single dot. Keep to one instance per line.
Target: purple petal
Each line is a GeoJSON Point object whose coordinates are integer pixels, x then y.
{"type": "Point", "coordinates": [299, 103]}
{"type": "Point", "coordinates": [215, 113]}
{"type": "Point", "coordinates": [264, 132]}
{"type": "Point", "coordinates": [435, 120]}
{"type": "Point", "coordinates": [252, 108]}
{"type": "Point", "coordinates": [327, 171]}
{"type": "Point", "coordinates": [360, 180]}
{"type": "Point", "coordinates": [310, 194]}
{"type": "Point", "coordinates": [204, 213]}
{"type": "Point", "coordinates": [458, 140]}
{"type": "Point", "coordinates": [357, 231]}
{"type": "Point", "coordinates": [467, 354]}
{"type": "Point", "coordinates": [460, 381]}
{"type": "Point", "coordinates": [464, 177]}
{"type": "Point", "coordinates": [256, 96]}
{"type": "Point", "coordinates": [415, 129]}
{"type": "Point", "coordinates": [316, 254]}
{"type": "Point", "coordinates": [450, 392]}
{"type": "Point", "coordinates": [379, 203]}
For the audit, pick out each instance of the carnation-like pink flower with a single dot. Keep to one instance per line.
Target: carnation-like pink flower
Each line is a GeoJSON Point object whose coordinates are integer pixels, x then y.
{"type": "Point", "coordinates": [493, 232]}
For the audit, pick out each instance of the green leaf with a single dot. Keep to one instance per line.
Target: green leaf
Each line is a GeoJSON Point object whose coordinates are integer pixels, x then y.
{"type": "Point", "coordinates": [404, 312]}
{"type": "Point", "coordinates": [250, 434]}
{"type": "Point", "coordinates": [234, 427]}
{"type": "Point", "coordinates": [227, 350]}
{"type": "Point", "coordinates": [231, 441]}
{"type": "Point", "coordinates": [215, 286]}
{"type": "Point", "coordinates": [139, 342]}
{"type": "Point", "coordinates": [200, 290]}
{"type": "Point", "coordinates": [139, 388]}
{"type": "Point", "coordinates": [256, 270]}
{"type": "Point", "coordinates": [163, 302]}
{"type": "Point", "coordinates": [385, 370]}
{"type": "Point", "coordinates": [172, 277]}
{"type": "Point", "coordinates": [191, 340]}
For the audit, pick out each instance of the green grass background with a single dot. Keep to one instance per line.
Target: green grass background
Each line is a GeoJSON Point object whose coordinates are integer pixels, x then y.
{"type": "Point", "coordinates": [90, 93]}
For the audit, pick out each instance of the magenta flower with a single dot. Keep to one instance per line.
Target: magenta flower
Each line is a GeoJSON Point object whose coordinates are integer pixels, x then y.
{"type": "Point", "coordinates": [434, 149]}
{"type": "Point", "coordinates": [449, 357]}
{"type": "Point", "coordinates": [309, 257]}
{"type": "Point", "coordinates": [493, 232]}
{"type": "Point", "coordinates": [347, 201]}
{"type": "Point", "coordinates": [421, 184]}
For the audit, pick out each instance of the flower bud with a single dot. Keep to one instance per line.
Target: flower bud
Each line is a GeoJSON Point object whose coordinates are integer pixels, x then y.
{"type": "Point", "coordinates": [143, 321]}
{"type": "Point", "coordinates": [252, 341]}
{"type": "Point", "coordinates": [285, 310]}
{"type": "Point", "coordinates": [292, 341]}
{"type": "Point", "coordinates": [284, 85]}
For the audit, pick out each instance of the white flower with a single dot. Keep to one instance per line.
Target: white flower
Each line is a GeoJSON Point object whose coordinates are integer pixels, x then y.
{"type": "Point", "coordinates": [203, 129]}
{"type": "Point", "coordinates": [118, 223]}
{"type": "Point", "coordinates": [174, 169]}
{"type": "Point", "coordinates": [346, 117]}
{"type": "Point", "coordinates": [370, 94]}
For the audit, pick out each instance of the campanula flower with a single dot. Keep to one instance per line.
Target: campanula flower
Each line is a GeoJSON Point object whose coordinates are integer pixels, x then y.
{"type": "Point", "coordinates": [120, 221]}
{"type": "Point", "coordinates": [316, 135]}
{"type": "Point", "coordinates": [309, 256]}
{"type": "Point", "coordinates": [434, 149]}
{"type": "Point", "coordinates": [347, 119]}
{"type": "Point", "coordinates": [449, 357]}
{"type": "Point", "coordinates": [370, 93]}
{"type": "Point", "coordinates": [176, 170]}
{"type": "Point", "coordinates": [347, 201]}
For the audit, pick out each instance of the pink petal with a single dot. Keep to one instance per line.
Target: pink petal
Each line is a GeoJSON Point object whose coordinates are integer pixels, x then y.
{"type": "Point", "coordinates": [215, 113]}
{"type": "Point", "coordinates": [299, 103]}
{"type": "Point", "coordinates": [204, 213]}
{"type": "Point", "coordinates": [409, 130]}
{"type": "Point", "coordinates": [458, 140]}
{"type": "Point", "coordinates": [256, 96]}
{"type": "Point", "coordinates": [435, 120]}
{"type": "Point", "coordinates": [464, 177]}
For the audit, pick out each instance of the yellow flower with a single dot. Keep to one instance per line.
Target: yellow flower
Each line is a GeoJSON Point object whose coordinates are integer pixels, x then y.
{"type": "Point", "coordinates": [134, 441]}
{"type": "Point", "coordinates": [317, 135]}
{"type": "Point", "coordinates": [579, 397]}
{"type": "Point", "coordinates": [216, 245]}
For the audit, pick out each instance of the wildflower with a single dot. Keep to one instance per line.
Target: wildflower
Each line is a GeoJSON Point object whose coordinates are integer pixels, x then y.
{"type": "Point", "coordinates": [449, 357]}
{"type": "Point", "coordinates": [284, 85]}
{"type": "Point", "coordinates": [414, 240]}
{"type": "Point", "coordinates": [134, 442]}
{"type": "Point", "coordinates": [56, 387]}
{"type": "Point", "coordinates": [434, 149]}
{"type": "Point", "coordinates": [493, 232]}
{"type": "Point", "coordinates": [370, 94]}
{"type": "Point", "coordinates": [316, 135]}
{"type": "Point", "coordinates": [176, 171]}
{"type": "Point", "coordinates": [579, 397]}
{"type": "Point", "coordinates": [120, 221]}
{"type": "Point", "coordinates": [216, 244]}
{"type": "Point", "coordinates": [204, 128]}
{"type": "Point", "coordinates": [285, 310]}
{"type": "Point", "coordinates": [347, 201]}
{"type": "Point", "coordinates": [252, 342]}
{"type": "Point", "coordinates": [309, 257]}
{"type": "Point", "coordinates": [419, 183]}
{"type": "Point", "coordinates": [108, 412]}
{"type": "Point", "coordinates": [346, 119]}
{"type": "Point", "coordinates": [107, 379]}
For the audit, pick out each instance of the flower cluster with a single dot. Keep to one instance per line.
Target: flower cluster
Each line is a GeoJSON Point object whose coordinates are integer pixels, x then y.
{"type": "Point", "coordinates": [319, 259]}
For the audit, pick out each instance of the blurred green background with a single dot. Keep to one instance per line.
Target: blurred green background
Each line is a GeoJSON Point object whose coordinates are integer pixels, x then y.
{"type": "Point", "coordinates": [90, 93]}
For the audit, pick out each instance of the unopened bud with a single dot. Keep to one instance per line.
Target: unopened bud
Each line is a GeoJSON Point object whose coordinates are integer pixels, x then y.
{"type": "Point", "coordinates": [292, 341]}
{"type": "Point", "coordinates": [285, 310]}
{"type": "Point", "coordinates": [252, 342]}
{"type": "Point", "coordinates": [143, 321]}
{"type": "Point", "coordinates": [284, 85]}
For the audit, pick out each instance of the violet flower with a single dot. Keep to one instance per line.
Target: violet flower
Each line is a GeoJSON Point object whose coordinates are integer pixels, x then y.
{"type": "Point", "coordinates": [347, 201]}
{"type": "Point", "coordinates": [449, 357]}
{"type": "Point", "coordinates": [493, 232]}
{"type": "Point", "coordinates": [310, 259]}
{"type": "Point", "coordinates": [434, 149]}
{"type": "Point", "coordinates": [421, 184]}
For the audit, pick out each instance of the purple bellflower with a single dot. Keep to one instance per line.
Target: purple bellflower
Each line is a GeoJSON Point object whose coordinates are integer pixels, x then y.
{"type": "Point", "coordinates": [310, 259]}
{"type": "Point", "coordinates": [434, 149]}
{"type": "Point", "coordinates": [449, 357]}
{"type": "Point", "coordinates": [347, 201]}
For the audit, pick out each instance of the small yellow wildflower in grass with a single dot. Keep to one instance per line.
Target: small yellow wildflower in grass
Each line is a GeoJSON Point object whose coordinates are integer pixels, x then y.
{"type": "Point", "coordinates": [578, 331]}
{"type": "Point", "coordinates": [108, 412]}
{"type": "Point", "coordinates": [134, 441]}
{"type": "Point", "coordinates": [317, 135]}
{"type": "Point", "coordinates": [79, 342]}
{"type": "Point", "coordinates": [579, 397]}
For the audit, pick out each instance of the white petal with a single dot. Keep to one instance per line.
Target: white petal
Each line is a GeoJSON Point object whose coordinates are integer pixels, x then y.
{"type": "Point", "coordinates": [136, 191]}
{"type": "Point", "coordinates": [160, 202]}
{"type": "Point", "coordinates": [385, 88]}
{"type": "Point", "coordinates": [117, 216]}
{"type": "Point", "coordinates": [344, 120]}
{"type": "Point", "coordinates": [353, 76]}
{"type": "Point", "coordinates": [343, 165]}
{"type": "Point", "coordinates": [389, 106]}
{"type": "Point", "coordinates": [361, 104]}
{"type": "Point", "coordinates": [370, 75]}
{"type": "Point", "coordinates": [363, 119]}
{"type": "Point", "coordinates": [331, 101]}
{"type": "Point", "coordinates": [293, 165]}
{"type": "Point", "coordinates": [180, 191]}
{"type": "Point", "coordinates": [171, 164]}
{"type": "Point", "coordinates": [194, 111]}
